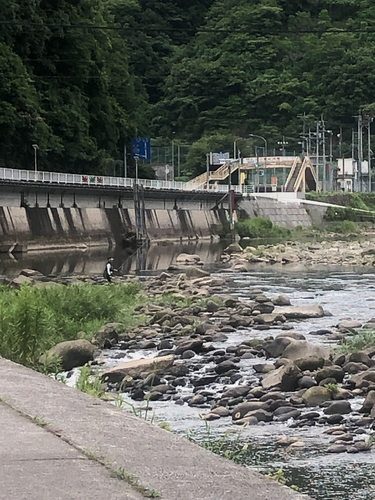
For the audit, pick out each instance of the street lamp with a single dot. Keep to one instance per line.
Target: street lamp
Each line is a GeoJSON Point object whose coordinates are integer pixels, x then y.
{"type": "Point", "coordinates": [265, 155]}
{"type": "Point", "coordinates": [263, 139]}
{"type": "Point", "coordinates": [36, 147]}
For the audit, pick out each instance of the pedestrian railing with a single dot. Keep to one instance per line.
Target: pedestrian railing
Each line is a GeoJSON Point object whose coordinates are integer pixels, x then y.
{"type": "Point", "coordinates": [15, 175]}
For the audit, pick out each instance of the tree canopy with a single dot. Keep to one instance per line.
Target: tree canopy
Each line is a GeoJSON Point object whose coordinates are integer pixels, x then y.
{"type": "Point", "coordinates": [80, 78]}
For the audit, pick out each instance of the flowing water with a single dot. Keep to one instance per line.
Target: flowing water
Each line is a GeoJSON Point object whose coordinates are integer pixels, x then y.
{"type": "Point", "coordinates": [344, 292]}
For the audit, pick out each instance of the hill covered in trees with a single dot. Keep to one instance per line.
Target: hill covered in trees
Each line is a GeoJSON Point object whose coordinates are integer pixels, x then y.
{"type": "Point", "coordinates": [81, 77]}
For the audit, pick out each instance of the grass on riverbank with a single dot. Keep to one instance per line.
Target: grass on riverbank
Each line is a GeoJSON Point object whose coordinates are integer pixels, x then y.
{"type": "Point", "coordinates": [34, 319]}
{"type": "Point", "coordinates": [358, 341]}
{"type": "Point", "coordinates": [260, 227]}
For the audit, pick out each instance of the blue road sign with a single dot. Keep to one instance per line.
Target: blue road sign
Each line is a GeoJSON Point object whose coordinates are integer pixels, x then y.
{"type": "Point", "coordinates": [141, 147]}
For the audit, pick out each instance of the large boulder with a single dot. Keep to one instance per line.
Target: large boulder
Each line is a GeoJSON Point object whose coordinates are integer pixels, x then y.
{"type": "Point", "coordinates": [72, 353]}
{"type": "Point", "coordinates": [301, 312]}
{"type": "Point", "coordinates": [242, 409]}
{"type": "Point", "coordinates": [368, 403]}
{"type": "Point", "coordinates": [338, 408]}
{"type": "Point", "coordinates": [276, 347]}
{"type": "Point", "coordinates": [138, 367]}
{"type": "Point", "coordinates": [188, 258]}
{"type": "Point", "coordinates": [335, 372]}
{"type": "Point", "coordinates": [310, 363]}
{"type": "Point", "coordinates": [315, 396]}
{"type": "Point", "coordinates": [189, 345]}
{"type": "Point", "coordinates": [286, 378]}
{"type": "Point", "coordinates": [301, 349]}
{"type": "Point", "coordinates": [195, 272]}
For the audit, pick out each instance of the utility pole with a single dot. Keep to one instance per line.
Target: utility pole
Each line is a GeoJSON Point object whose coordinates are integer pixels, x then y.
{"type": "Point", "coordinates": [125, 162]}
{"type": "Point", "coordinates": [36, 147]}
{"type": "Point", "coordinates": [317, 149]}
{"type": "Point", "coordinates": [369, 153]}
{"type": "Point", "coordinates": [360, 151]}
{"type": "Point", "coordinates": [208, 170]}
{"type": "Point", "coordinates": [179, 160]}
{"type": "Point", "coordinates": [324, 154]}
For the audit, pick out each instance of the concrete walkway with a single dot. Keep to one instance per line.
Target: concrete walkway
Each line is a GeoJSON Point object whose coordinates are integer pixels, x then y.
{"type": "Point", "coordinates": [58, 443]}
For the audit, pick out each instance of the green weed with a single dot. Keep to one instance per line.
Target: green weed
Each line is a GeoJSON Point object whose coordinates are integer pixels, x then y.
{"type": "Point", "coordinates": [32, 320]}
{"type": "Point", "coordinates": [358, 341]}
{"type": "Point", "coordinates": [260, 227]}
{"type": "Point", "coordinates": [224, 446]}
{"type": "Point", "coordinates": [88, 383]}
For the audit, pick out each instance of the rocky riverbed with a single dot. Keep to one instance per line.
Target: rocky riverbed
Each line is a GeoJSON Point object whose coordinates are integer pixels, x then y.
{"type": "Point", "coordinates": [342, 252]}
{"type": "Point", "coordinates": [257, 349]}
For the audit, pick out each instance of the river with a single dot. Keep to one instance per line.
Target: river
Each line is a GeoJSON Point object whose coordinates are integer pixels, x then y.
{"type": "Point", "coordinates": [344, 292]}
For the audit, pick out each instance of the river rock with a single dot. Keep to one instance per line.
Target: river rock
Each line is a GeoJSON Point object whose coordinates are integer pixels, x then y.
{"type": "Point", "coordinates": [281, 300]}
{"type": "Point", "coordinates": [72, 353]}
{"type": "Point", "coordinates": [225, 367]}
{"type": "Point", "coordinates": [315, 396]}
{"type": "Point", "coordinates": [21, 280]}
{"type": "Point", "coordinates": [260, 415]}
{"type": "Point", "coordinates": [363, 379]}
{"type": "Point", "coordinates": [301, 312]}
{"type": "Point", "coordinates": [188, 354]}
{"type": "Point", "coordinates": [263, 367]}
{"type": "Point", "coordinates": [197, 400]}
{"type": "Point", "coordinates": [335, 372]}
{"type": "Point", "coordinates": [286, 378]}
{"type": "Point", "coordinates": [306, 382]}
{"type": "Point", "coordinates": [337, 448]}
{"type": "Point", "coordinates": [292, 335]}
{"type": "Point", "coordinates": [349, 324]}
{"type": "Point", "coordinates": [361, 357]}
{"type": "Point", "coordinates": [276, 347]}
{"type": "Point", "coordinates": [334, 419]}
{"type": "Point", "coordinates": [212, 306]}
{"type": "Point", "coordinates": [137, 368]}
{"type": "Point", "coordinates": [352, 367]}
{"type": "Point", "coordinates": [243, 409]}
{"type": "Point", "coordinates": [236, 391]}
{"type": "Point", "coordinates": [368, 403]}
{"type": "Point", "coordinates": [194, 345]}
{"type": "Point", "coordinates": [338, 407]}
{"type": "Point", "coordinates": [221, 411]}
{"type": "Point", "coordinates": [188, 258]}
{"type": "Point", "coordinates": [311, 363]}
{"type": "Point", "coordinates": [108, 333]}
{"type": "Point", "coordinates": [195, 272]}
{"type": "Point", "coordinates": [301, 349]}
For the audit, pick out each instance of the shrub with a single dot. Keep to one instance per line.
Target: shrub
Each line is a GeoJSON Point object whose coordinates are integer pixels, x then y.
{"type": "Point", "coordinates": [260, 227]}
{"type": "Point", "coordinates": [34, 319]}
{"type": "Point", "coordinates": [343, 227]}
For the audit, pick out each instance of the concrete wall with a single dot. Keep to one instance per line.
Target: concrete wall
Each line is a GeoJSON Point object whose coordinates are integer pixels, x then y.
{"type": "Point", "coordinates": [285, 214]}
{"type": "Point", "coordinates": [61, 226]}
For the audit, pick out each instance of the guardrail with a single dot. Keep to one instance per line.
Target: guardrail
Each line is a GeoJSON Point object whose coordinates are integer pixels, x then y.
{"type": "Point", "coordinates": [15, 175]}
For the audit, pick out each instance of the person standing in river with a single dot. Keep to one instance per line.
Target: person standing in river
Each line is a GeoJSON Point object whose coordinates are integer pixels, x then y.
{"type": "Point", "coordinates": [108, 271]}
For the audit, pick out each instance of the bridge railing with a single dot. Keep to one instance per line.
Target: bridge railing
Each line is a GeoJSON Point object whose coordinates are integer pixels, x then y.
{"type": "Point", "coordinates": [15, 175]}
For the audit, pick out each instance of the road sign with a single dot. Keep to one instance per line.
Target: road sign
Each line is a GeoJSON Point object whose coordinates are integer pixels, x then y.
{"type": "Point", "coordinates": [219, 158]}
{"type": "Point", "coordinates": [141, 147]}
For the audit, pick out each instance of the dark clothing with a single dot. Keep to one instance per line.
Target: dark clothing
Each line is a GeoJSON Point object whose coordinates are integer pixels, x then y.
{"type": "Point", "coordinates": [108, 271]}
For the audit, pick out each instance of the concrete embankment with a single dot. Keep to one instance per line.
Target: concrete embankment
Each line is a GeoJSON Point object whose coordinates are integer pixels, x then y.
{"type": "Point", "coordinates": [51, 227]}
{"type": "Point", "coordinates": [83, 439]}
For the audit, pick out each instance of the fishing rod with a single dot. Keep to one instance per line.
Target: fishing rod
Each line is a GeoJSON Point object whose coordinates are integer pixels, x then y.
{"type": "Point", "coordinates": [145, 243]}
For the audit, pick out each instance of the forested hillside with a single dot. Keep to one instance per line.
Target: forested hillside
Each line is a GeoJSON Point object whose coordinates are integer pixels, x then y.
{"type": "Point", "coordinates": [81, 77]}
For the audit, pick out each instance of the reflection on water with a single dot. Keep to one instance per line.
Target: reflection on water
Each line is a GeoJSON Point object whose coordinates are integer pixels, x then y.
{"type": "Point", "coordinates": [156, 257]}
